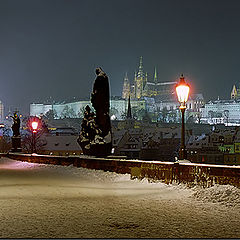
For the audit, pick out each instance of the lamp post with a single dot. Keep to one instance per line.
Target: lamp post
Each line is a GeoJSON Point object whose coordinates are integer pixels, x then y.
{"type": "Point", "coordinates": [34, 132]}
{"type": "Point", "coordinates": [182, 90]}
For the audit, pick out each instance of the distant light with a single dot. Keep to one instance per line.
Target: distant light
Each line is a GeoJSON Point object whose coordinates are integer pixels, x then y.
{"type": "Point", "coordinates": [113, 117]}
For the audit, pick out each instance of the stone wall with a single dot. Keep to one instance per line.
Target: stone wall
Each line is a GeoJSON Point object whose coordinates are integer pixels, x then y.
{"type": "Point", "coordinates": [191, 174]}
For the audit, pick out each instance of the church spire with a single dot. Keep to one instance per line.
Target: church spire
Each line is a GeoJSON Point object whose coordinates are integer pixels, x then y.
{"type": "Point", "coordinates": [141, 62]}
{"type": "Point", "coordinates": [155, 76]}
{"type": "Point", "coordinates": [234, 92]}
{"type": "Point", "coordinates": [129, 111]}
{"type": "Point", "coordinates": [140, 69]}
{"type": "Point", "coordinates": [126, 87]}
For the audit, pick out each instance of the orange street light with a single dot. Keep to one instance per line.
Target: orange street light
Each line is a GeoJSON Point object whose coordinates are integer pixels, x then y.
{"type": "Point", "coordinates": [182, 90]}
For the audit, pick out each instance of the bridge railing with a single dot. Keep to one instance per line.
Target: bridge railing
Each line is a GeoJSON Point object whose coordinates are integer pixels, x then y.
{"type": "Point", "coordinates": [191, 174]}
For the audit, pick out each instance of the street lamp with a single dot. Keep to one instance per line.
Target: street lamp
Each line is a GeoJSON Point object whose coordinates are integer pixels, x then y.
{"type": "Point", "coordinates": [182, 90]}
{"type": "Point", "coordinates": [34, 132]}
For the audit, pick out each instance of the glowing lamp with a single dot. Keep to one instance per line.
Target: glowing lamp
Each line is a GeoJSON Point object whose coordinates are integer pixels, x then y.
{"type": "Point", "coordinates": [182, 90]}
{"type": "Point", "coordinates": [34, 126]}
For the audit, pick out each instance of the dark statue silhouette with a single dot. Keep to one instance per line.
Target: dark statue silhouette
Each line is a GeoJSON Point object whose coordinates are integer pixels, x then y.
{"type": "Point", "coordinates": [16, 125]}
{"type": "Point", "coordinates": [16, 138]}
{"type": "Point", "coordinates": [96, 137]}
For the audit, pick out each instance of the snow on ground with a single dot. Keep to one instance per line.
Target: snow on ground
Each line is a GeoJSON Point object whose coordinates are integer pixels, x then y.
{"type": "Point", "coordinates": [50, 201]}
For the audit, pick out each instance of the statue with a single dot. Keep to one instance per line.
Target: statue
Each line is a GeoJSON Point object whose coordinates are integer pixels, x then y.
{"type": "Point", "coordinates": [16, 138]}
{"type": "Point", "coordinates": [16, 125]}
{"type": "Point", "coordinates": [96, 137]}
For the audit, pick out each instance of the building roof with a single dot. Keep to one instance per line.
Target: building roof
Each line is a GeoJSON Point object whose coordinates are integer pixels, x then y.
{"type": "Point", "coordinates": [61, 143]}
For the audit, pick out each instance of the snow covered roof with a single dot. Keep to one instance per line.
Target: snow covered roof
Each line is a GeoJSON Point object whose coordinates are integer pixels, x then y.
{"type": "Point", "coordinates": [61, 143]}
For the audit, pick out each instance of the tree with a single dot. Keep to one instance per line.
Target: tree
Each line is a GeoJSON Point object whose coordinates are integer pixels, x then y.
{"type": "Point", "coordinates": [27, 142]}
{"type": "Point", "coordinates": [68, 112]}
{"type": "Point", "coordinates": [50, 114]}
{"type": "Point", "coordinates": [27, 138]}
{"type": "Point", "coordinates": [5, 140]}
{"type": "Point", "coordinates": [81, 112]}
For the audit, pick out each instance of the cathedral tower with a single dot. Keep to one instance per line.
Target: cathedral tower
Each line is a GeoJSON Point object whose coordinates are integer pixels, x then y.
{"type": "Point", "coordinates": [139, 80]}
{"type": "Point", "coordinates": [126, 88]}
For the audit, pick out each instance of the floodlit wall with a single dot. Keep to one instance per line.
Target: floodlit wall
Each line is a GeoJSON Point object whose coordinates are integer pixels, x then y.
{"type": "Point", "coordinates": [38, 109]}
{"type": "Point", "coordinates": [118, 108]}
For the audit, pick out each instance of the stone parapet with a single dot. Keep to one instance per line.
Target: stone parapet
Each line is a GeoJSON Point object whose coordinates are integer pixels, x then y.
{"type": "Point", "coordinates": [191, 174]}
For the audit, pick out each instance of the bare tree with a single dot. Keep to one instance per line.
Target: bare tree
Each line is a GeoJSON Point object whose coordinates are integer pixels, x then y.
{"type": "Point", "coordinates": [29, 141]}
{"type": "Point", "coordinates": [51, 114]}
{"type": "Point", "coordinates": [5, 140]}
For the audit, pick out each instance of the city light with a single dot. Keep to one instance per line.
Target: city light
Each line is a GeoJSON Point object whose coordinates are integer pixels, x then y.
{"type": "Point", "coordinates": [113, 117]}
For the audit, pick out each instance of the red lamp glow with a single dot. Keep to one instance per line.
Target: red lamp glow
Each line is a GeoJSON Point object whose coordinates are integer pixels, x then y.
{"type": "Point", "coordinates": [34, 126]}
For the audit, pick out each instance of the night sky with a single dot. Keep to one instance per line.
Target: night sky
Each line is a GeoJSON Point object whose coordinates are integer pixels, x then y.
{"type": "Point", "coordinates": [51, 48]}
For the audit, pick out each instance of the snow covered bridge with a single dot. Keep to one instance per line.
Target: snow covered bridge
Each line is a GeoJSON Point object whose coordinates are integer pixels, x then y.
{"type": "Point", "coordinates": [169, 172]}
{"type": "Point", "coordinates": [53, 201]}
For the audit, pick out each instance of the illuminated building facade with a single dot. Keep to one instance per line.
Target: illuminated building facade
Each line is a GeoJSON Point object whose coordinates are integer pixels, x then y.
{"type": "Point", "coordinates": [221, 112]}
{"type": "Point", "coordinates": [118, 108]}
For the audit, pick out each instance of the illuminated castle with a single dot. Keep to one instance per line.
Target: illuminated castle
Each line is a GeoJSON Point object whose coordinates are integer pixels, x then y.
{"type": "Point", "coordinates": [144, 87]}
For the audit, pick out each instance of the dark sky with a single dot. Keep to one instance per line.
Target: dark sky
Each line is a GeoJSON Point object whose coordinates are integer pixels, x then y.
{"type": "Point", "coordinates": [51, 48]}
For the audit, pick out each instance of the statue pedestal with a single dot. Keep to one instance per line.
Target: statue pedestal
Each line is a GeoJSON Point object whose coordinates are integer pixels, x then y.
{"type": "Point", "coordinates": [97, 150]}
{"type": "Point", "coordinates": [16, 144]}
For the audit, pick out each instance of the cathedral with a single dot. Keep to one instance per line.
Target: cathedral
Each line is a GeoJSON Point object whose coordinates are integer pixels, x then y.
{"type": "Point", "coordinates": [235, 93]}
{"type": "Point", "coordinates": [144, 87]}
